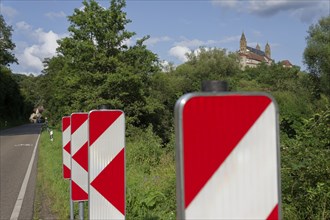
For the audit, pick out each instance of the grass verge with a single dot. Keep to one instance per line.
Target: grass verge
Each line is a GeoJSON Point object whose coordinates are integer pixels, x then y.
{"type": "Point", "coordinates": [150, 176]}
{"type": "Point", "coordinates": [52, 192]}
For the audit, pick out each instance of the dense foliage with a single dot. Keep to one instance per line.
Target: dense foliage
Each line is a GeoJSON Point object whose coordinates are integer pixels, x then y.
{"type": "Point", "coordinates": [14, 106]}
{"type": "Point", "coordinates": [6, 44]}
{"type": "Point", "coordinates": [306, 169]}
{"type": "Point", "coordinates": [317, 53]}
{"type": "Point", "coordinates": [94, 66]}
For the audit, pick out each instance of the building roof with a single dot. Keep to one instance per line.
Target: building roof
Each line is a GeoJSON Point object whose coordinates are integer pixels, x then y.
{"type": "Point", "coordinates": [256, 51]}
{"type": "Point", "coordinates": [286, 63]}
{"type": "Point", "coordinates": [254, 56]}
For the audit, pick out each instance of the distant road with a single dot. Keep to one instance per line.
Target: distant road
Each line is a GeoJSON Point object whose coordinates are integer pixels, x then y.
{"type": "Point", "coordinates": [16, 150]}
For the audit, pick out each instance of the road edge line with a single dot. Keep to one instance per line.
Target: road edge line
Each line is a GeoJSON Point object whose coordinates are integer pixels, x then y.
{"type": "Point", "coordinates": [19, 201]}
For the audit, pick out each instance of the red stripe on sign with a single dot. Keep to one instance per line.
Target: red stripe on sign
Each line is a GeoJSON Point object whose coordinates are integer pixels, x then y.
{"type": "Point", "coordinates": [77, 120]}
{"type": "Point", "coordinates": [66, 172]}
{"type": "Point", "coordinates": [110, 183]}
{"type": "Point", "coordinates": [274, 214]}
{"type": "Point", "coordinates": [99, 121]}
{"type": "Point", "coordinates": [65, 123]}
{"type": "Point", "coordinates": [78, 194]}
{"type": "Point", "coordinates": [81, 156]}
{"type": "Point", "coordinates": [212, 127]}
{"type": "Point", "coordinates": [67, 147]}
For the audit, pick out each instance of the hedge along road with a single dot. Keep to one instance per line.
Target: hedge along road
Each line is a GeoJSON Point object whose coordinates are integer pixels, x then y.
{"type": "Point", "coordinates": [18, 156]}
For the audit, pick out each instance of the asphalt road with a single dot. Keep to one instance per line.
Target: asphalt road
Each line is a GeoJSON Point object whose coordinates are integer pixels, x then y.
{"type": "Point", "coordinates": [16, 150]}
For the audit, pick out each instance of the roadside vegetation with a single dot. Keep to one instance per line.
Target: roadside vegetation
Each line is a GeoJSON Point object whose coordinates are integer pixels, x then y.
{"type": "Point", "coordinates": [94, 68]}
{"type": "Point", "coordinates": [52, 199]}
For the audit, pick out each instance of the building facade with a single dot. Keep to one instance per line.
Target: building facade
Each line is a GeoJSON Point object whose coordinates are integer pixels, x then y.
{"type": "Point", "coordinates": [251, 57]}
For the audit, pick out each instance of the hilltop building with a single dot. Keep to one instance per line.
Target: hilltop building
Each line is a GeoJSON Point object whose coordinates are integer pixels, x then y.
{"type": "Point", "coordinates": [286, 64]}
{"type": "Point", "coordinates": [251, 57]}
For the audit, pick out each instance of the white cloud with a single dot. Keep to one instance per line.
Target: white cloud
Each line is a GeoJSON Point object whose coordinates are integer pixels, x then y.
{"type": "Point", "coordinates": [47, 42]}
{"type": "Point", "coordinates": [195, 43]}
{"type": "Point", "coordinates": [167, 66]}
{"type": "Point", "coordinates": [23, 26]}
{"type": "Point", "coordinates": [154, 40]}
{"type": "Point", "coordinates": [307, 14]}
{"type": "Point", "coordinates": [55, 15]}
{"type": "Point", "coordinates": [226, 3]}
{"type": "Point", "coordinates": [180, 52]}
{"type": "Point", "coordinates": [27, 73]}
{"type": "Point", "coordinates": [82, 8]}
{"type": "Point", "coordinates": [271, 7]}
{"type": "Point", "coordinates": [31, 54]}
{"type": "Point", "coordinates": [8, 11]}
{"type": "Point", "coordinates": [30, 59]}
{"type": "Point", "coordinates": [164, 63]}
{"type": "Point", "coordinates": [190, 43]}
{"type": "Point", "coordinates": [304, 10]}
{"type": "Point", "coordinates": [181, 48]}
{"type": "Point", "coordinates": [127, 42]}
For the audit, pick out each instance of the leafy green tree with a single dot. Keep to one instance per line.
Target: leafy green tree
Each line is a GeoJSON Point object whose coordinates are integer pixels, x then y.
{"type": "Point", "coordinates": [14, 104]}
{"type": "Point", "coordinates": [306, 170]}
{"type": "Point", "coordinates": [150, 175]}
{"type": "Point", "coordinates": [30, 92]}
{"type": "Point", "coordinates": [166, 89]}
{"type": "Point", "coordinates": [58, 84]}
{"type": "Point", "coordinates": [207, 64]}
{"type": "Point", "coordinates": [94, 66]}
{"type": "Point", "coordinates": [291, 88]}
{"type": "Point", "coordinates": [98, 36]}
{"type": "Point", "coordinates": [11, 100]}
{"type": "Point", "coordinates": [6, 44]}
{"type": "Point", "coordinates": [317, 53]}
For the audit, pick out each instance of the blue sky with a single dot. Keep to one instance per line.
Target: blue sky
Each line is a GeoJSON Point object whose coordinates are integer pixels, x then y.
{"type": "Point", "coordinates": [175, 27]}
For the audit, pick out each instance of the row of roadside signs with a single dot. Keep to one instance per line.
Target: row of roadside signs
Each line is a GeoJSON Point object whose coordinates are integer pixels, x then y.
{"type": "Point", "coordinates": [227, 158]}
{"type": "Point", "coordinates": [94, 161]}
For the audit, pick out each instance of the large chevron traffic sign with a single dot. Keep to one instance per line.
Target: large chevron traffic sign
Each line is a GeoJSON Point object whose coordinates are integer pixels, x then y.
{"type": "Point", "coordinates": [227, 156]}
{"type": "Point", "coordinates": [79, 156]}
{"type": "Point", "coordinates": [106, 164]}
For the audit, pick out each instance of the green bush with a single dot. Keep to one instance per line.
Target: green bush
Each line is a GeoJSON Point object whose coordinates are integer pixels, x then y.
{"type": "Point", "coordinates": [306, 170]}
{"type": "Point", "coordinates": [150, 177]}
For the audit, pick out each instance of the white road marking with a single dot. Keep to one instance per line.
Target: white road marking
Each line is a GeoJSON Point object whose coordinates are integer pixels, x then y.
{"type": "Point", "coordinates": [19, 201]}
{"type": "Point", "coordinates": [23, 145]}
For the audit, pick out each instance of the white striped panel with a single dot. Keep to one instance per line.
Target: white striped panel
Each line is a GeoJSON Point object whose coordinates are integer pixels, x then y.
{"type": "Point", "coordinates": [66, 136]}
{"type": "Point", "coordinates": [79, 138]}
{"type": "Point", "coordinates": [79, 176]}
{"type": "Point", "coordinates": [100, 208]}
{"type": "Point", "coordinates": [245, 186]}
{"type": "Point", "coordinates": [106, 147]}
{"type": "Point", "coordinates": [67, 159]}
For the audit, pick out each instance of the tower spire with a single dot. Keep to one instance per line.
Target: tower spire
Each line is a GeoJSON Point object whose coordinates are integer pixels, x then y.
{"type": "Point", "coordinates": [242, 43]}
{"type": "Point", "coordinates": [267, 50]}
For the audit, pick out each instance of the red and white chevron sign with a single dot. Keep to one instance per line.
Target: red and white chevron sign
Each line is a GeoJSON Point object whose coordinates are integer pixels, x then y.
{"type": "Point", "coordinates": [66, 148]}
{"type": "Point", "coordinates": [79, 155]}
{"type": "Point", "coordinates": [106, 164]}
{"type": "Point", "coordinates": [228, 156]}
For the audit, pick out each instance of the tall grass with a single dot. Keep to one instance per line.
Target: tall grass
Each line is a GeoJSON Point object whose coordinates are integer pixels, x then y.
{"type": "Point", "coordinates": [51, 187]}
{"type": "Point", "coordinates": [50, 179]}
{"type": "Point", "coordinates": [150, 176]}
